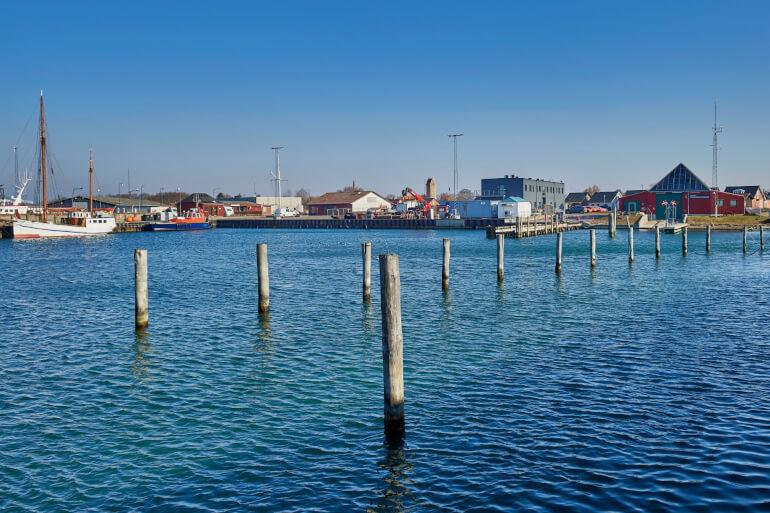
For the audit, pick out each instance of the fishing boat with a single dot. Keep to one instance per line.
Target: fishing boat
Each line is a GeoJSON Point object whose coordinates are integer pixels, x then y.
{"type": "Point", "coordinates": [77, 223]}
{"type": "Point", "coordinates": [15, 206]}
{"type": "Point", "coordinates": [193, 219]}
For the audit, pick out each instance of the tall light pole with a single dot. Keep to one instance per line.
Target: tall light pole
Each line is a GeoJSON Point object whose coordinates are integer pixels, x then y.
{"type": "Point", "coordinates": [277, 173]}
{"type": "Point", "coordinates": [455, 174]}
{"type": "Point", "coordinates": [120, 188]}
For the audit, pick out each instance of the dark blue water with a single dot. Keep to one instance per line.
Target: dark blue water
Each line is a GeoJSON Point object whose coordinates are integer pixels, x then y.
{"type": "Point", "coordinates": [642, 388]}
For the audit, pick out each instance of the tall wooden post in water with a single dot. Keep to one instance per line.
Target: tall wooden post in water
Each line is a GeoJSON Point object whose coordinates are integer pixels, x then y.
{"type": "Point", "coordinates": [708, 239]}
{"type": "Point", "coordinates": [612, 226]}
{"type": "Point", "coordinates": [366, 254]}
{"type": "Point", "coordinates": [500, 257]}
{"type": "Point", "coordinates": [657, 241]}
{"type": "Point", "coordinates": [445, 267]}
{"type": "Point", "coordinates": [745, 239]}
{"type": "Point", "coordinates": [141, 306]}
{"type": "Point", "coordinates": [593, 247]}
{"type": "Point", "coordinates": [263, 278]}
{"type": "Point", "coordinates": [761, 238]}
{"type": "Point", "coordinates": [392, 346]}
{"type": "Point", "coordinates": [684, 241]}
{"type": "Point", "coordinates": [559, 237]}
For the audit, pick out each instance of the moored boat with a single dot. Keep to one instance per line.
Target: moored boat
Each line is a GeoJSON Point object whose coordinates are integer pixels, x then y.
{"type": "Point", "coordinates": [77, 223]}
{"type": "Point", "coordinates": [190, 220]}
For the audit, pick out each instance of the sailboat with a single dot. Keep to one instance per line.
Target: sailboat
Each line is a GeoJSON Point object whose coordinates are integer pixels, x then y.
{"type": "Point", "coordinates": [77, 224]}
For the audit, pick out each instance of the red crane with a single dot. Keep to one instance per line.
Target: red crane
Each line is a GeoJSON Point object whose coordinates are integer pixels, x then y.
{"type": "Point", "coordinates": [424, 205]}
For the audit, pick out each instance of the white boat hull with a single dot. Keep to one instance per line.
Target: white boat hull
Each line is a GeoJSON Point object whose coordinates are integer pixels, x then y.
{"type": "Point", "coordinates": [37, 230]}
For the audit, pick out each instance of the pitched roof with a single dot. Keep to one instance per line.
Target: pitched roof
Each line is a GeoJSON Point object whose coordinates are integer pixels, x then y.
{"type": "Point", "coordinates": [337, 198]}
{"type": "Point", "coordinates": [515, 199]}
{"type": "Point", "coordinates": [200, 197]}
{"type": "Point", "coordinates": [629, 192]}
{"type": "Point", "coordinates": [573, 197]}
{"type": "Point", "coordinates": [110, 200]}
{"type": "Point", "coordinates": [751, 190]}
{"type": "Point", "coordinates": [605, 196]}
{"type": "Point", "coordinates": [680, 179]}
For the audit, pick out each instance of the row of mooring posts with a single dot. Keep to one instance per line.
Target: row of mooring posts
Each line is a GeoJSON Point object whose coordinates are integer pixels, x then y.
{"type": "Point", "coordinates": [390, 303]}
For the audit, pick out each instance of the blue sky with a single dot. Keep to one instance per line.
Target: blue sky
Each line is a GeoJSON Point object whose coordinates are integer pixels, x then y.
{"type": "Point", "coordinates": [194, 94]}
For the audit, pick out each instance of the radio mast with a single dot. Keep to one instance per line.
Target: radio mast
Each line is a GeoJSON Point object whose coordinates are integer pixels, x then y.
{"type": "Point", "coordinates": [715, 151]}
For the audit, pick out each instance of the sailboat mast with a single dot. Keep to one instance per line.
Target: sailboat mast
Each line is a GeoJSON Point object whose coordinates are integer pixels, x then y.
{"type": "Point", "coordinates": [91, 181]}
{"type": "Point", "coordinates": [43, 169]}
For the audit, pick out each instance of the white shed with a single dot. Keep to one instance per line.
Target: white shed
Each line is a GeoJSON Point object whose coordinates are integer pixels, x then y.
{"type": "Point", "coordinates": [513, 207]}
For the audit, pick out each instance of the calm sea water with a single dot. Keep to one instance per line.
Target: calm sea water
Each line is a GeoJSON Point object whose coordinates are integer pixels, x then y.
{"type": "Point", "coordinates": [642, 388]}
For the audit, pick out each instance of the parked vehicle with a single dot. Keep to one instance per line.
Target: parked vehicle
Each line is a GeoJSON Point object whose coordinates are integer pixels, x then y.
{"type": "Point", "coordinates": [576, 209]}
{"type": "Point", "coordinates": [285, 212]}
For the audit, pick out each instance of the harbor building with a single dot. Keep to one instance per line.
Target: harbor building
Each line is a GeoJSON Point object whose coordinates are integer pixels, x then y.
{"type": "Point", "coordinates": [340, 203]}
{"type": "Point", "coordinates": [607, 199]}
{"type": "Point", "coordinates": [119, 205]}
{"type": "Point", "coordinates": [542, 194]}
{"type": "Point", "coordinates": [754, 195]}
{"type": "Point", "coordinates": [682, 192]}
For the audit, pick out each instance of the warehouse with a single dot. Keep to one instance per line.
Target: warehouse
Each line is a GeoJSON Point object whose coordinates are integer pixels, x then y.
{"type": "Point", "coordinates": [542, 194]}
{"type": "Point", "coordinates": [682, 192]}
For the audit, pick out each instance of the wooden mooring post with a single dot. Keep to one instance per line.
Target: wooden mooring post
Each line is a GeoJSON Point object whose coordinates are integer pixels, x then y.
{"type": "Point", "coordinates": [761, 238]}
{"type": "Point", "coordinates": [141, 306]}
{"type": "Point", "coordinates": [657, 242]}
{"type": "Point", "coordinates": [630, 244]}
{"type": "Point", "coordinates": [559, 237]}
{"type": "Point", "coordinates": [613, 224]}
{"type": "Point", "coordinates": [263, 278]}
{"type": "Point", "coordinates": [445, 266]}
{"type": "Point", "coordinates": [708, 239]}
{"type": "Point", "coordinates": [745, 239]}
{"type": "Point", "coordinates": [392, 346]}
{"type": "Point", "coordinates": [366, 254]}
{"type": "Point", "coordinates": [500, 257]}
{"type": "Point", "coordinates": [593, 247]}
{"type": "Point", "coordinates": [684, 241]}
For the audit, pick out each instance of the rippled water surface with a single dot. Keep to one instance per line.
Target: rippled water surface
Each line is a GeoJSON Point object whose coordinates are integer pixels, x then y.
{"type": "Point", "coordinates": [629, 388]}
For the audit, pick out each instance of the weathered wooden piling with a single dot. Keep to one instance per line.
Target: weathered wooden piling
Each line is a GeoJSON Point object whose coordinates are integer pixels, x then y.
{"type": "Point", "coordinates": [761, 238]}
{"type": "Point", "coordinates": [392, 346]}
{"type": "Point", "coordinates": [445, 267]}
{"type": "Point", "coordinates": [708, 239]}
{"type": "Point", "coordinates": [657, 242]}
{"type": "Point", "coordinates": [500, 257]}
{"type": "Point", "coordinates": [263, 278]}
{"type": "Point", "coordinates": [141, 306]}
{"type": "Point", "coordinates": [593, 247]}
{"type": "Point", "coordinates": [684, 241]}
{"type": "Point", "coordinates": [612, 225]}
{"type": "Point", "coordinates": [559, 237]}
{"type": "Point", "coordinates": [366, 254]}
{"type": "Point", "coordinates": [630, 244]}
{"type": "Point", "coordinates": [745, 239]}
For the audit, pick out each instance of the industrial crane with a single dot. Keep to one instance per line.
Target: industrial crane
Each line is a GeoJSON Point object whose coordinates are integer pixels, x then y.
{"type": "Point", "coordinates": [424, 205]}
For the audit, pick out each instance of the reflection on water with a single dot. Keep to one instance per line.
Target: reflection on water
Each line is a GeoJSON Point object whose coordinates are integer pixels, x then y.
{"type": "Point", "coordinates": [395, 495]}
{"type": "Point", "coordinates": [265, 333]}
{"type": "Point", "coordinates": [368, 318]}
{"type": "Point", "coordinates": [142, 360]}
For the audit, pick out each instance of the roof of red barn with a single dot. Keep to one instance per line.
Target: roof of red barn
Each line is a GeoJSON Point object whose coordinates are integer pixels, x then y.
{"type": "Point", "coordinates": [680, 179]}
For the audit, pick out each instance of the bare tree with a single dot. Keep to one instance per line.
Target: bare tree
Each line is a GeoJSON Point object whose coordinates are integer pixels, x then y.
{"type": "Point", "coordinates": [592, 190]}
{"type": "Point", "coordinates": [465, 194]}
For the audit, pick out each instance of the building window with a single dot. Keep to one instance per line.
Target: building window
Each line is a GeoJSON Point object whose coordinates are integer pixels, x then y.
{"type": "Point", "coordinates": [733, 203]}
{"type": "Point", "coordinates": [720, 203]}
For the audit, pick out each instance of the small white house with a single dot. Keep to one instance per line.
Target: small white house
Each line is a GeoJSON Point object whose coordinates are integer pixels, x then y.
{"type": "Point", "coordinates": [513, 207]}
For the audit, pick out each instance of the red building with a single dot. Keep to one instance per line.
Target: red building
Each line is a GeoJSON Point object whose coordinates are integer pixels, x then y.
{"type": "Point", "coordinates": [684, 193]}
